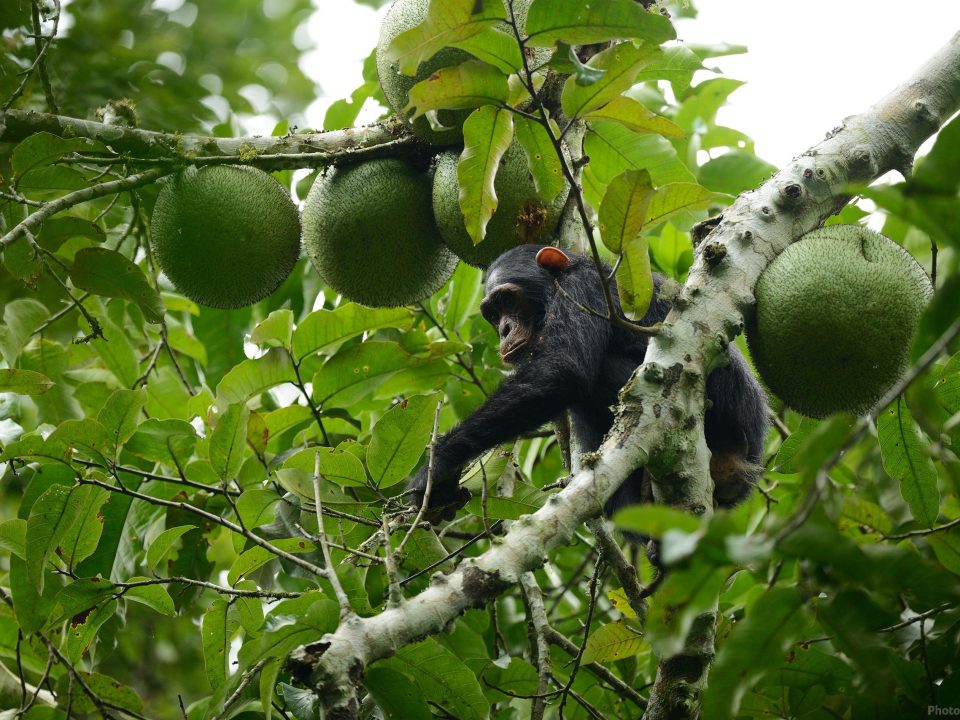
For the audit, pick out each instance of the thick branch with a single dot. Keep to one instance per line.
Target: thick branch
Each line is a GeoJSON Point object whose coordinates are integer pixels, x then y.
{"type": "Point", "coordinates": [660, 419]}
{"type": "Point", "coordinates": [295, 150]}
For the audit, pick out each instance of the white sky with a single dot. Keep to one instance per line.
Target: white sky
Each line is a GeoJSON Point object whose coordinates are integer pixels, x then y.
{"type": "Point", "coordinates": [810, 63]}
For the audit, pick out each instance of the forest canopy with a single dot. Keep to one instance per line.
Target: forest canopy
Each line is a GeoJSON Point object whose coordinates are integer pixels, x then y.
{"type": "Point", "coordinates": [207, 430]}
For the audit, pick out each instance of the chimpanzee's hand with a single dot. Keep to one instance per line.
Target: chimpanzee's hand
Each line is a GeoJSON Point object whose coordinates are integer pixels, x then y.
{"type": "Point", "coordinates": [446, 495]}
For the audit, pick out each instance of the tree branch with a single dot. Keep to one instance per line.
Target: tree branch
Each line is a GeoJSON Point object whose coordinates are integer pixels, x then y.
{"type": "Point", "coordinates": [708, 314]}
{"type": "Point", "coordinates": [295, 150]}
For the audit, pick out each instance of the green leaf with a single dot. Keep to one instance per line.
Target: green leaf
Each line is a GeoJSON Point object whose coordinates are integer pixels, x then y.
{"type": "Point", "coordinates": [120, 414]}
{"type": "Point", "coordinates": [461, 87]}
{"type": "Point", "coordinates": [946, 546]}
{"type": "Point", "coordinates": [581, 23]}
{"type": "Point", "coordinates": [88, 436]}
{"type": "Point", "coordinates": [107, 272]}
{"type": "Point", "coordinates": [675, 198]}
{"type": "Point", "coordinates": [51, 517]}
{"type": "Point", "coordinates": [337, 466]}
{"type": "Point", "coordinates": [704, 102]}
{"type": "Point", "coordinates": [676, 65]}
{"type": "Point", "coordinates": [79, 598]}
{"type": "Point", "coordinates": [58, 230]}
{"type": "Point", "coordinates": [903, 448]}
{"type": "Point", "coordinates": [43, 148]}
{"type": "Point", "coordinates": [13, 537]}
{"type": "Point", "coordinates": [20, 318]}
{"type": "Point", "coordinates": [757, 645]}
{"type": "Point", "coordinates": [251, 377]}
{"type": "Point", "coordinates": [542, 159]}
{"type": "Point", "coordinates": [355, 372]}
{"type": "Point", "coordinates": [635, 278]}
{"type": "Point", "coordinates": [117, 353]}
{"type": "Point", "coordinates": [276, 330]}
{"type": "Point", "coordinates": [216, 631]}
{"type": "Point", "coordinates": [566, 62]}
{"type": "Point", "coordinates": [30, 607]}
{"type": "Point", "coordinates": [938, 317]}
{"type": "Point", "coordinates": [495, 47]}
{"type": "Point", "coordinates": [613, 641]}
{"type": "Point", "coordinates": [155, 597]}
{"type": "Point", "coordinates": [948, 387]}
{"type": "Point", "coordinates": [228, 442]}
{"type": "Point", "coordinates": [256, 507]}
{"type": "Point", "coordinates": [447, 22]}
{"type": "Point", "coordinates": [525, 500]}
{"type": "Point", "coordinates": [397, 695]}
{"type": "Point", "coordinates": [106, 688]}
{"type": "Point", "coordinates": [623, 209]}
{"type": "Point", "coordinates": [466, 289]}
{"type": "Point", "coordinates": [443, 677]}
{"type": "Point", "coordinates": [170, 441]}
{"type": "Point", "coordinates": [163, 544]}
{"type": "Point", "coordinates": [635, 116]}
{"type": "Point", "coordinates": [688, 591]}
{"type": "Point", "coordinates": [81, 540]}
{"type": "Point", "coordinates": [939, 171]}
{"type": "Point", "coordinates": [655, 520]}
{"type": "Point", "coordinates": [487, 134]}
{"type": "Point", "coordinates": [322, 328]}
{"type": "Point", "coordinates": [398, 439]}
{"type": "Point", "coordinates": [24, 382]}
{"type": "Point", "coordinates": [620, 64]}
{"type": "Point", "coordinates": [735, 171]}
{"type": "Point", "coordinates": [612, 148]}
{"type": "Point", "coordinates": [258, 434]}
{"type": "Point", "coordinates": [257, 556]}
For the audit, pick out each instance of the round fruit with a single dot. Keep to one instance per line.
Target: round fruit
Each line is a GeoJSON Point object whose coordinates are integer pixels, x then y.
{"type": "Point", "coordinates": [226, 236]}
{"type": "Point", "coordinates": [402, 16]}
{"type": "Point", "coordinates": [369, 232]}
{"type": "Point", "coordinates": [521, 215]}
{"type": "Point", "coordinates": [835, 315]}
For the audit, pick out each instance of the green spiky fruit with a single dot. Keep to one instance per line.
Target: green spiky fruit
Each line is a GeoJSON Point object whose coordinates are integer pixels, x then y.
{"type": "Point", "coordinates": [521, 215]}
{"type": "Point", "coordinates": [369, 232]}
{"type": "Point", "coordinates": [225, 236]}
{"type": "Point", "coordinates": [835, 315]}
{"type": "Point", "coordinates": [402, 16]}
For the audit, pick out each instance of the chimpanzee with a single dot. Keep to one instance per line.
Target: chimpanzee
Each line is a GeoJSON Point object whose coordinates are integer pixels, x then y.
{"type": "Point", "coordinates": [567, 358]}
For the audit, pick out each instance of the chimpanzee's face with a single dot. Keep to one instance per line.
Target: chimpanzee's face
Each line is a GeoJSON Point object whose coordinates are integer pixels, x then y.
{"type": "Point", "coordinates": [506, 307]}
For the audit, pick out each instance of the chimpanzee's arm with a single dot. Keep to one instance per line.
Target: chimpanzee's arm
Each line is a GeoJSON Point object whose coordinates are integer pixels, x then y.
{"type": "Point", "coordinates": [567, 353]}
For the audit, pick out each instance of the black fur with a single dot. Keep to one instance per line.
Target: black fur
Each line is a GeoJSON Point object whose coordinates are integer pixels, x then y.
{"type": "Point", "coordinates": [580, 362]}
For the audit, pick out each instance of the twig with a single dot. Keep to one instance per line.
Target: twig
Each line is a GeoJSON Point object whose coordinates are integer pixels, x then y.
{"type": "Point", "coordinates": [429, 486]}
{"type": "Point", "coordinates": [539, 646]}
{"type": "Point", "coordinates": [450, 555]}
{"type": "Point", "coordinates": [393, 595]}
{"type": "Point", "coordinates": [306, 396]}
{"type": "Point", "coordinates": [42, 44]}
{"type": "Point", "coordinates": [626, 573]}
{"type": "Point", "coordinates": [216, 519]}
{"type": "Point", "coordinates": [233, 592]}
{"type": "Point", "coordinates": [331, 571]}
{"type": "Point", "coordinates": [461, 360]}
{"type": "Point", "coordinates": [594, 581]}
{"type": "Point", "coordinates": [920, 533]}
{"type": "Point", "coordinates": [34, 220]}
{"type": "Point", "coordinates": [244, 681]}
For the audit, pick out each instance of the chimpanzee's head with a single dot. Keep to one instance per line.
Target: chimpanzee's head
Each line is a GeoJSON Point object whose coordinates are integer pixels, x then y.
{"type": "Point", "coordinates": [520, 285]}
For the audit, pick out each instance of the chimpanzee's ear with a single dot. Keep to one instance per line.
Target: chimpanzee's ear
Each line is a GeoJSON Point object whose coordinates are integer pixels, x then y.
{"type": "Point", "coordinates": [553, 259]}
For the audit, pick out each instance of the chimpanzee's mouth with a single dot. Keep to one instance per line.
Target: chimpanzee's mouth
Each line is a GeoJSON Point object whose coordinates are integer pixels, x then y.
{"type": "Point", "coordinates": [510, 353]}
